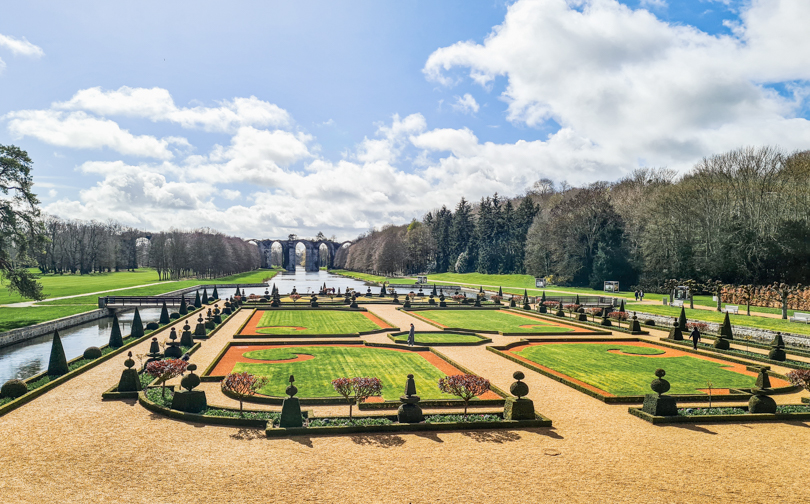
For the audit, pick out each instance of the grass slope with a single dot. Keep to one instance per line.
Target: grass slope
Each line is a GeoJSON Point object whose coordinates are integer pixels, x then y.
{"type": "Point", "coordinates": [315, 322]}
{"type": "Point", "coordinates": [489, 320]}
{"type": "Point", "coordinates": [773, 324]}
{"type": "Point", "coordinates": [624, 375]}
{"type": "Point", "coordinates": [13, 318]}
{"type": "Point", "coordinates": [373, 278]}
{"type": "Point", "coordinates": [314, 377]}
{"type": "Point", "coordinates": [439, 337]}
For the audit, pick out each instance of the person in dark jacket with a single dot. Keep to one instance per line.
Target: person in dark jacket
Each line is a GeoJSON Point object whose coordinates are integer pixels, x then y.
{"type": "Point", "coordinates": [410, 336]}
{"type": "Point", "coordinates": [695, 337]}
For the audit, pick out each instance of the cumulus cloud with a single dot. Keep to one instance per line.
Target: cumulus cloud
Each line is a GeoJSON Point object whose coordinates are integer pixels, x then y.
{"type": "Point", "coordinates": [82, 131]}
{"type": "Point", "coordinates": [633, 87]}
{"type": "Point", "coordinates": [466, 104]}
{"type": "Point", "coordinates": [157, 104]}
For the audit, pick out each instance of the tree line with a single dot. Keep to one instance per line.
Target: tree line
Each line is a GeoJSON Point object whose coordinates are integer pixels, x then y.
{"type": "Point", "coordinates": [740, 217]}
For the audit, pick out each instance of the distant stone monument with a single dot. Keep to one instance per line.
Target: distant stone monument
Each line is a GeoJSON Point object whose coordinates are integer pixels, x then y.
{"type": "Point", "coordinates": [518, 408]}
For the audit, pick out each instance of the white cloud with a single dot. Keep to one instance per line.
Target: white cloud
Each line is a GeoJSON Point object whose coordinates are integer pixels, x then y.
{"type": "Point", "coordinates": [230, 194]}
{"type": "Point", "coordinates": [466, 104]}
{"type": "Point", "coordinates": [21, 47]}
{"type": "Point", "coordinates": [157, 104]}
{"type": "Point", "coordinates": [654, 4]}
{"type": "Point", "coordinates": [79, 130]}
{"type": "Point", "coordinates": [630, 86]}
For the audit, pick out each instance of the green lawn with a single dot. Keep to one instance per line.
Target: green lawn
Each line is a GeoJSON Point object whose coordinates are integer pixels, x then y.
{"type": "Point", "coordinates": [313, 377]}
{"type": "Point", "coordinates": [489, 320]}
{"type": "Point", "coordinates": [314, 322]}
{"type": "Point", "coordinates": [624, 375]}
{"type": "Point", "coordinates": [13, 318]}
{"type": "Point", "coordinates": [772, 324]}
{"type": "Point", "coordinates": [439, 337]}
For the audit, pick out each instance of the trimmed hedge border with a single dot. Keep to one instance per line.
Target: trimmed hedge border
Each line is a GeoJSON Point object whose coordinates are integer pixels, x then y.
{"type": "Point", "coordinates": [33, 394]}
{"type": "Point", "coordinates": [741, 396]}
{"type": "Point", "coordinates": [540, 421]}
{"type": "Point", "coordinates": [217, 328]}
{"type": "Point", "coordinates": [756, 357]}
{"type": "Point", "coordinates": [196, 418]}
{"type": "Point", "coordinates": [437, 307]}
{"type": "Point", "coordinates": [113, 394]}
{"type": "Point", "coordinates": [299, 336]}
{"type": "Point", "coordinates": [482, 340]}
{"type": "Point", "coordinates": [245, 323]}
{"type": "Point", "coordinates": [763, 346]}
{"type": "Point", "coordinates": [745, 418]}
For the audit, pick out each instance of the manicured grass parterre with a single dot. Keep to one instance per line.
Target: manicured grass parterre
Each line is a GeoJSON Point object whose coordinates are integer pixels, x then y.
{"type": "Point", "coordinates": [314, 322]}
{"type": "Point", "coordinates": [12, 318]}
{"type": "Point", "coordinates": [489, 320]}
{"type": "Point", "coordinates": [373, 278]}
{"type": "Point", "coordinates": [427, 338]}
{"type": "Point", "coordinates": [314, 376]}
{"type": "Point", "coordinates": [624, 369]}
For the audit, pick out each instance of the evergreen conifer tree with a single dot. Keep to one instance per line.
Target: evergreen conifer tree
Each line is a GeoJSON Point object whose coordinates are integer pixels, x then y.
{"type": "Point", "coordinates": [116, 341]}
{"type": "Point", "coordinates": [197, 302]}
{"type": "Point", "coordinates": [137, 325]}
{"type": "Point", "coordinates": [164, 315]}
{"type": "Point", "coordinates": [215, 294]}
{"type": "Point", "coordinates": [205, 296]}
{"type": "Point", "coordinates": [725, 329]}
{"type": "Point", "coordinates": [682, 319]}
{"type": "Point", "coordinates": [183, 306]}
{"type": "Point", "coordinates": [57, 364]}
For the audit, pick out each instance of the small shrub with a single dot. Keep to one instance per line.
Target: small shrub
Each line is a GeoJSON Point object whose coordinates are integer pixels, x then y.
{"type": "Point", "coordinates": [650, 322]}
{"type": "Point", "coordinates": [357, 390]}
{"type": "Point", "coordinates": [243, 385]}
{"type": "Point", "coordinates": [151, 326]}
{"type": "Point", "coordinates": [92, 353]}
{"type": "Point", "coordinates": [14, 389]}
{"type": "Point", "coordinates": [165, 370]}
{"type": "Point", "coordinates": [174, 316]}
{"type": "Point", "coordinates": [465, 386]}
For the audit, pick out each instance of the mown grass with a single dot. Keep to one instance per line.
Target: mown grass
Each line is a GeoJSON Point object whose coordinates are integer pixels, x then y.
{"type": "Point", "coordinates": [314, 377]}
{"type": "Point", "coordinates": [314, 322]}
{"type": "Point", "coordinates": [365, 277]}
{"type": "Point", "coordinates": [439, 337]}
{"type": "Point", "coordinates": [69, 285]}
{"type": "Point", "coordinates": [13, 318]}
{"type": "Point", "coordinates": [489, 320]}
{"type": "Point", "coordinates": [624, 375]}
{"type": "Point", "coordinates": [772, 324]}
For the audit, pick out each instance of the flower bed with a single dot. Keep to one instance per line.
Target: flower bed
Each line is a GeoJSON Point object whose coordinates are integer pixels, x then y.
{"type": "Point", "coordinates": [783, 413]}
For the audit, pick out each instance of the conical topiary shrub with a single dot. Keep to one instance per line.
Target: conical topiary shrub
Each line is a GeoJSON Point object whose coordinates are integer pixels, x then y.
{"type": "Point", "coordinates": [205, 296]}
{"type": "Point", "coordinates": [164, 315]}
{"type": "Point", "coordinates": [116, 341]}
{"type": "Point", "coordinates": [777, 352]}
{"type": "Point", "coordinates": [526, 300]}
{"type": "Point", "coordinates": [621, 306]}
{"type": "Point", "coordinates": [500, 291]}
{"type": "Point", "coordinates": [197, 301]}
{"type": "Point", "coordinates": [577, 300]}
{"type": "Point", "coordinates": [725, 329]}
{"type": "Point", "coordinates": [137, 325]}
{"type": "Point", "coordinates": [57, 364]}
{"type": "Point", "coordinates": [215, 294]}
{"type": "Point", "coordinates": [183, 306]}
{"type": "Point", "coordinates": [682, 319]}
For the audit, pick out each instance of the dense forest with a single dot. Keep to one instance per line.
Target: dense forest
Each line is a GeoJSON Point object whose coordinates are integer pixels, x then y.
{"type": "Point", "coordinates": [741, 217]}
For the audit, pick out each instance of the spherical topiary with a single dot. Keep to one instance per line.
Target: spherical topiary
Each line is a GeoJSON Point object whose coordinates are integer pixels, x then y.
{"type": "Point", "coordinates": [174, 316]}
{"type": "Point", "coordinates": [191, 380]}
{"type": "Point", "coordinates": [151, 326]}
{"type": "Point", "coordinates": [761, 404]}
{"type": "Point", "coordinates": [660, 373]}
{"type": "Point", "coordinates": [14, 389]}
{"type": "Point", "coordinates": [92, 353]}
{"type": "Point", "coordinates": [660, 385]}
{"type": "Point", "coordinates": [721, 344]}
{"type": "Point", "coordinates": [519, 389]}
{"type": "Point", "coordinates": [649, 322]}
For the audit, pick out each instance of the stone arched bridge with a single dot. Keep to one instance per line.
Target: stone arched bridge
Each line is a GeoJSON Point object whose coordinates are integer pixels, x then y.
{"type": "Point", "coordinates": [313, 252]}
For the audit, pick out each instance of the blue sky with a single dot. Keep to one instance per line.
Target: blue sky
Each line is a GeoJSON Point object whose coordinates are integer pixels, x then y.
{"type": "Point", "coordinates": [265, 118]}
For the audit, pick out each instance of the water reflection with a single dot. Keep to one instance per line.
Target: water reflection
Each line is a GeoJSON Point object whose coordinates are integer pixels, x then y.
{"type": "Point", "coordinates": [30, 357]}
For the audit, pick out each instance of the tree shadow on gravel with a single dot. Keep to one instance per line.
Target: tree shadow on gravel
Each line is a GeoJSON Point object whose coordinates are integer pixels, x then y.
{"type": "Point", "coordinates": [245, 434]}
{"type": "Point", "coordinates": [499, 437]}
{"type": "Point", "coordinates": [546, 431]}
{"type": "Point", "coordinates": [379, 441]}
{"type": "Point", "coordinates": [694, 428]}
{"type": "Point", "coordinates": [302, 440]}
{"type": "Point", "coordinates": [432, 436]}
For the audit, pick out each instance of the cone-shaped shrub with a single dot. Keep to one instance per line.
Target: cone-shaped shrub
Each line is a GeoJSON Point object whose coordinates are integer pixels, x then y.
{"type": "Point", "coordinates": [205, 296]}
{"type": "Point", "coordinates": [621, 306]}
{"type": "Point", "coordinates": [116, 341]}
{"type": "Point", "coordinates": [164, 315]}
{"type": "Point", "coordinates": [682, 319]}
{"type": "Point", "coordinates": [215, 294]}
{"type": "Point", "coordinates": [197, 302]}
{"type": "Point", "coordinates": [137, 325]}
{"type": "Point", "coordinates": [57, 365]}
{"type": "Point", "coordinates": [500, 291]}
{"type": "Point", "coordinates": [183, 306]}
{"type": "Point", "coordinates": [725, 329]}
{"type": "Point", "coordinates": [543, 299]}
{"type": "Point", "coordinates": [577, 301]}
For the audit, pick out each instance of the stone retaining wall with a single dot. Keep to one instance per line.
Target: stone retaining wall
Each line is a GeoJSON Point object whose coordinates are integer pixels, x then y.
{"type": "Point", "coordinates": [25, 333]}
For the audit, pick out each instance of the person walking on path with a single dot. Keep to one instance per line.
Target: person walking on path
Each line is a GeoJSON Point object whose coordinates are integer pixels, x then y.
{"type": "Point", "coordinates": [410, 336]}
{"type": "Point", "coordinates": [695, 337]}
{"type": "Point", "coordinates": [641, 295]}
{"type": "Point", "coordinates": [636, 293]}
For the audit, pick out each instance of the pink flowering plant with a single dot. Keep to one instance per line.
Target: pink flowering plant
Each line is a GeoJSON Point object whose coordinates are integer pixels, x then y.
{"type": "Point", "coordinates": [465, 386]}
{"type": "Point", "coordinates": [165, 370]}
{"type": "Point", "coordinates": [358, 389]}
{"type": "Point", "coordinates": [243, 385]}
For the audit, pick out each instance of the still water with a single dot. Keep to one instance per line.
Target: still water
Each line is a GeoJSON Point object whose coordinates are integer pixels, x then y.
{"type": "Point", "coordinates": [31, 357]}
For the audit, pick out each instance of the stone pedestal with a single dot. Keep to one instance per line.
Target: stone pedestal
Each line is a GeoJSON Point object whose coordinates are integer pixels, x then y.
{"type": "Point", "coordinates": [130, 381]}
{"type": "Point", "coordinates": [761, 403]}
{"type": "Point", "coordinates": [410, 412]}
{"type": "Point", "coordinates": [291, 413]}
{"type": "Point", "coordinates": [518, 409]}
{"type": "Point", "coordinates": [659, 405]}
{"type": "Point", "coordinates": [192, 401]}
{"type": "Point", "coordinates": [721, 344]}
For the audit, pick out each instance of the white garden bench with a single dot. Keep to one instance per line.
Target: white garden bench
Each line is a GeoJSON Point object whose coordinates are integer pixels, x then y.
{"type": "Point", "coordinates": [800, 317]}
{"type": "Point", "coordinates": [732, 309]}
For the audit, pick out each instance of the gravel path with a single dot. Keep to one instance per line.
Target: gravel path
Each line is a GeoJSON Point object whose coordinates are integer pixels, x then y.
{"type": "Point", "coordinates": [68, 445]}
